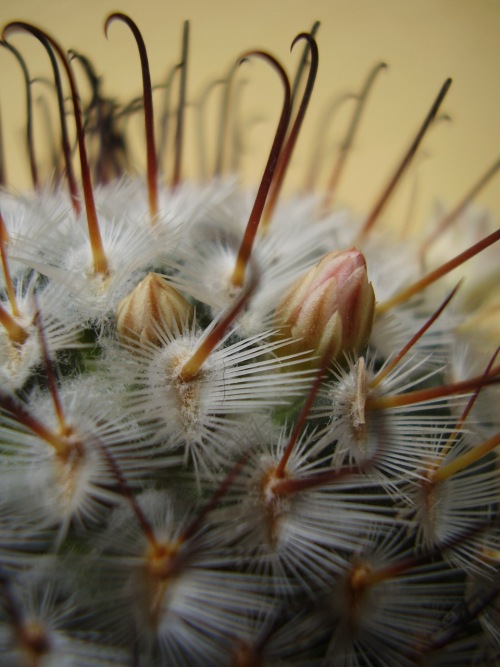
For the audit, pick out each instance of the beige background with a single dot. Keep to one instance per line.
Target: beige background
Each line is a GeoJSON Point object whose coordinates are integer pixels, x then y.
{"type": "Point", "coordinates": [423, 41]}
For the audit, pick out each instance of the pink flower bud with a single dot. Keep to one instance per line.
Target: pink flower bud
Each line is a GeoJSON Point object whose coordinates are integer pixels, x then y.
{"type": "Point", "coordinates": [329, 310]}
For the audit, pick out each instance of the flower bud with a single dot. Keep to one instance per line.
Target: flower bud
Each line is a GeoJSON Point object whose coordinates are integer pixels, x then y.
{"type": "Point", "coordinates": [153, 306]}
{"type": "Point", "coordinates": [330, 309]}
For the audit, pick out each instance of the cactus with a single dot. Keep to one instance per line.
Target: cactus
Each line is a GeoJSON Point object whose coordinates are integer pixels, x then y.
{"type": "Point", "coordinates": [237, 430]}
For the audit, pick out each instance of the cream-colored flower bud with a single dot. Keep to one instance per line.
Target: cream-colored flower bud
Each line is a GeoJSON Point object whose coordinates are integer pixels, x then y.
{"type": "Point", "coordinates": [152, 306]}
{"type": "Point", "coordinates": [330, 309]}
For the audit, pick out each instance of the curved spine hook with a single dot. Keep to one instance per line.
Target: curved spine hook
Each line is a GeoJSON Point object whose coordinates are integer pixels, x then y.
{"type": "Point", "coordinates": [148, 109]}
{"type": "Point", "coordinates": [29, 114]}
{"type": "Point", "coordinates": [286, 153]}
{"type": "Point", "coordinates": [303, 63]}
{"type": "Point", "coordinates": [99, 257]}
{"type": "Point", "coordinates": [245, 250]}
{"type": "Point", "coordinates": [66, 148]}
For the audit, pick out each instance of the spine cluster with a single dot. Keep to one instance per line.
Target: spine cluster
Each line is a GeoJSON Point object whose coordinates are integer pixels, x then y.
{"type": "Point", "coordinates": [236, 430]}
